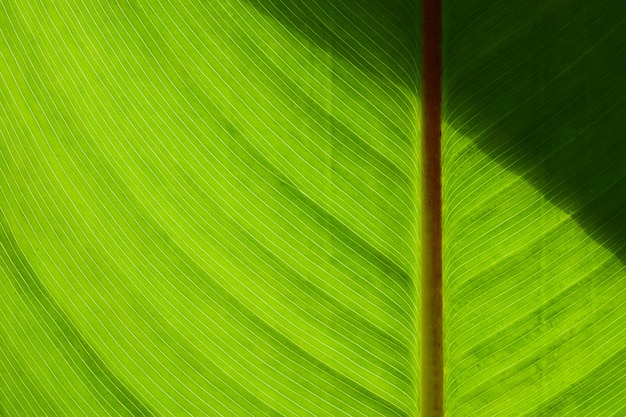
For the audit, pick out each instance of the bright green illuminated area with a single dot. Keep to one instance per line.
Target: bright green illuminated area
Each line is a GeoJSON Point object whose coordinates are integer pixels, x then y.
{"type": "Point", "coordinates": [211, 208]}
{"type": "Point", "coordinates": [532, 302]}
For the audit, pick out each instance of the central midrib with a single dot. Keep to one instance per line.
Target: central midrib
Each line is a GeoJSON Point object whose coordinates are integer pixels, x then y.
{"type": "Point", "coordinates": [431, 300]}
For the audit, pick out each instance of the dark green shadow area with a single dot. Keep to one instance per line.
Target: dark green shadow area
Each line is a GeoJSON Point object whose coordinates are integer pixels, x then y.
{"type": "Point", "coordinates": [379, 37]}
{"type": "Point", "coordinates": [540, 87]}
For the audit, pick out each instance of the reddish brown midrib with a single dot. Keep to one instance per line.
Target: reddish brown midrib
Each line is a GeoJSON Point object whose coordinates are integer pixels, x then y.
{"type": "Point", "coordinates": [431, 334]}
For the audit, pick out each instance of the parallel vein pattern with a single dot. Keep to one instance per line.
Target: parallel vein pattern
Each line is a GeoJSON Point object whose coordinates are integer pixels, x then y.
{"type": "Point", "coordinates": [207, 208]}
{"type": "Point", "coordinates": [534, 197]}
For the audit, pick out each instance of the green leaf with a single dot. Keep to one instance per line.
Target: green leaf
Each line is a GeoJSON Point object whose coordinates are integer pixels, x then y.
{"type": "Point", "coordinates": [208, 208]}
{"type": "Point", "coordinates": [535, 191]}
{"type": "Point", "coordinates": [212, 209]}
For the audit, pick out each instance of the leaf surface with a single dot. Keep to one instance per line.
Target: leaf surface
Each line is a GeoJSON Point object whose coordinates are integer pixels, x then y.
{"type": "Point", "coordinates": [211, 208]}
{"type": "Point", "coordinates": [208, 208]}
{"type": "Point", "coordinates": [534, 196]}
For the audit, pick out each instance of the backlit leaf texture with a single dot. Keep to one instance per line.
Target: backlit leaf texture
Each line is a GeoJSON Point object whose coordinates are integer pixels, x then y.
{"type": "Point", "coordinates": [211, 208]}
{"type": "Point", "coordinates": [535, 195]}
{"type": "Point", "coordinates": [208, 208]}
